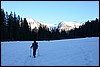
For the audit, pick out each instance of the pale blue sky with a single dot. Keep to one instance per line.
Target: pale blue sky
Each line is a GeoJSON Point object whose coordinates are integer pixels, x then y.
{"type": "Point", "coordinates": [53, 12]}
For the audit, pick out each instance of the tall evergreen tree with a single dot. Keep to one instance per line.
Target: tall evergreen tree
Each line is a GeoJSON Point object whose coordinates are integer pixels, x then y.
{"type": "Point", "coordinates": [25, 30]}
{"type": "Point", "coordinates": [2, 24]}
{"type": "Point", "coordinates": [10, 26]}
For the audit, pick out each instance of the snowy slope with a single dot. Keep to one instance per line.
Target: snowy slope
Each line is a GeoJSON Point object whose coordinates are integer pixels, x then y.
{"type": "Point", "coordinates": [68, 25]}
{"type": "Point", "coordinates": [68, 52]}
{"type": "Point", "coordinates": [33, 23]}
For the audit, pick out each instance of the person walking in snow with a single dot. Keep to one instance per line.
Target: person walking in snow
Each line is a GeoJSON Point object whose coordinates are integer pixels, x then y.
{"type": "Point", "coordinates": [34, 46]}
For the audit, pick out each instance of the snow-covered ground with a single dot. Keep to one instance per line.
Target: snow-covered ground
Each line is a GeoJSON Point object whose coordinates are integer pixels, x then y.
{"type": "Point", "coordinates": [68, 52]}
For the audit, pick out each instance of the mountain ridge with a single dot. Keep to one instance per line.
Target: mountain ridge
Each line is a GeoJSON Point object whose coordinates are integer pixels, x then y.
{"type": "Point", "coordinates": [64, 25]}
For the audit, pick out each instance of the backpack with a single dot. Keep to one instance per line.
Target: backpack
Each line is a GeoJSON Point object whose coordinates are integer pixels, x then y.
{"type": "Point", "coordinates": [35, 46]}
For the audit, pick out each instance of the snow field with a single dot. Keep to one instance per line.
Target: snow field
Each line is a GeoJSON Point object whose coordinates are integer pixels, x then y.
{"type": "Point", "coordinates": [68, 52]}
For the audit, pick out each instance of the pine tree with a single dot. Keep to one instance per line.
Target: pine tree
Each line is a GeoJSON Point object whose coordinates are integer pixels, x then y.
{"type": "Point", "coordinates": [24, 30]}
{"type": "Point", "coordinates": [2, 24]}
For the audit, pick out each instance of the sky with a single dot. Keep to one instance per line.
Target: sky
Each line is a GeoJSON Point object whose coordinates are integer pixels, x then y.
{"type": "Point", "coordinates": [53, 12]}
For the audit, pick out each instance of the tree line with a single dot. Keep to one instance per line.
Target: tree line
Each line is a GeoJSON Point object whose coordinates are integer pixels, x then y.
{"type": "Point", "coordinates": [89, 29]}
{"type": "Point", "coordinates": [15, 28]}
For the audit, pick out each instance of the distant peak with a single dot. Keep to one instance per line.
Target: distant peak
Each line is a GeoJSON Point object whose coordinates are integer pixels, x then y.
{"type": "Point", "coordinates": [65, 25]}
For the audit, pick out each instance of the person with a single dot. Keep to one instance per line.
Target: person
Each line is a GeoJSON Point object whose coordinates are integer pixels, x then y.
{"type": "Point", "coordinates": [34, 46]}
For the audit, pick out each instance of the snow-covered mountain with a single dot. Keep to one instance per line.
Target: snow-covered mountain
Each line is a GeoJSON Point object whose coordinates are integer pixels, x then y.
{"type": "Point", "coordinates": [33, 23]}
{"type": "Point", "coordinates": [61, 26]}
{"type": "Point", "coordinates": [68, 25]}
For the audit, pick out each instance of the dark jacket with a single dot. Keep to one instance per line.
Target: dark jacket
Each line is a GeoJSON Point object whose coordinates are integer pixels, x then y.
{"type": "Point", "coordinates": [34, 45]}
